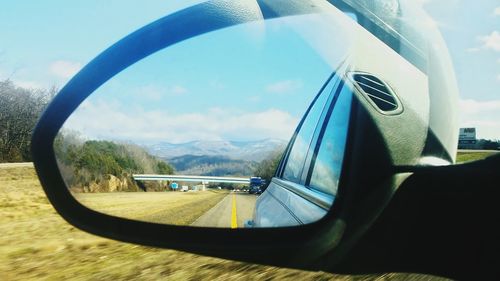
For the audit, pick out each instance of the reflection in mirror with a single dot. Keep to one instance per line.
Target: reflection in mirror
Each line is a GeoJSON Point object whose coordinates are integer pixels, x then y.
{"type": "Point", "coordinates": [193, 134]}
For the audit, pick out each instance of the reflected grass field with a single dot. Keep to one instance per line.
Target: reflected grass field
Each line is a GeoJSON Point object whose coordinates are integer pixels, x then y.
{"type": "Point", "coordinates": [177, 208]}
{"type": "Point", "coordinates": [36, 244]}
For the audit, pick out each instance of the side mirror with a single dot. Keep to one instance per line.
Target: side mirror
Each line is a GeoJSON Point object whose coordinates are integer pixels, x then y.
{"type": "Point", "coordinates": [99, 152]}
{"type": "Point", "coordinates": [355, 132]}
{"type": "Point", "coordinates": [84, 158]}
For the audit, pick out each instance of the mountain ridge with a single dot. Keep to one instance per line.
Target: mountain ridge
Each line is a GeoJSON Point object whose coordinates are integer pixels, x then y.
{"type": "Point", "coordinates": [236, 150]}
{"type": "Point", "coordinates": [215, 165]}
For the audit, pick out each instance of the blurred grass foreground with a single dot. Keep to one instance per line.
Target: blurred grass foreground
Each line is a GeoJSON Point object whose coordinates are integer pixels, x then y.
{"type": "Point", "coordinates": [37, 244]}
{"type": "Point", "coordinates": [471, 155]}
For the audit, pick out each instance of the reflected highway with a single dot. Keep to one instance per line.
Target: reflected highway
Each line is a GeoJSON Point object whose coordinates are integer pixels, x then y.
{"type": "Point", "coordinates": [231, 212]}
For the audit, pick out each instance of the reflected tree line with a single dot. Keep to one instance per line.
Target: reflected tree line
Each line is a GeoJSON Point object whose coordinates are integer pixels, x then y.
{"type": "Point", "coordinates": [105, 166]}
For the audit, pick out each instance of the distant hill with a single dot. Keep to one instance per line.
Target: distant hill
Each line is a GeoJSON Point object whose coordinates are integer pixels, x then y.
{"type": "Point", "coordinates": [236, 150]}
{"type": "Point", "coordinates": [207, 165]}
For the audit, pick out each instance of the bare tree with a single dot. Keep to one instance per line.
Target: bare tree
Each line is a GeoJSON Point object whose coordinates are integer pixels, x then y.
{"type": "Point", "coordinates": [20, 109]}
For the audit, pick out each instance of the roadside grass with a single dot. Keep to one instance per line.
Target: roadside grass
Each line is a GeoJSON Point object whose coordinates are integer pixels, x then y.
{"type": "Point", "coordinates": [473, 155]}
{"type": "Point", "coordinates": [177, 208]}
{"type": "Point", "coordinates": [36, 244]}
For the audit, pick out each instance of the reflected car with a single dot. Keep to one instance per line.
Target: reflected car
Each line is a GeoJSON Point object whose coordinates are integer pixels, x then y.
{"type": "Point", "coordinates": [307, 178]}
{"type": "Point", "coordinates": [255, 190]}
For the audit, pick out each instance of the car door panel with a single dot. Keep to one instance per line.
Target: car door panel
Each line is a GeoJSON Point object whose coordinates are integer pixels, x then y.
{"type": "Point", "coordinates": [271, 212]}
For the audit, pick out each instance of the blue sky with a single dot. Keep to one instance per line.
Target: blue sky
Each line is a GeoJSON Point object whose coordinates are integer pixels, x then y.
{"type": "Point", "coordinates": [44, 43]}
{"type": "Point", "coordinates": [472, 31]}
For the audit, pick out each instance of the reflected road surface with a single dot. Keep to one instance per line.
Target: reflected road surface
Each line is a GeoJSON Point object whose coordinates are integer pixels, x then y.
{"type": "Point", "coordinates": [231, 212]}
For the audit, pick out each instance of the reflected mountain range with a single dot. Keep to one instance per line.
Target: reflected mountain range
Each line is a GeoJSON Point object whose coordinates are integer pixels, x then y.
{"type": "Point", "coordinates": [235, 150]}
{"type": "Point", "coordinates": [216, 158]}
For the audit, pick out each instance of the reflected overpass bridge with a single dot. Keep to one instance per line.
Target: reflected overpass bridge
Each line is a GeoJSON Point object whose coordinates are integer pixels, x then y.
{"type": "Point", "coordinates": [185, 178]}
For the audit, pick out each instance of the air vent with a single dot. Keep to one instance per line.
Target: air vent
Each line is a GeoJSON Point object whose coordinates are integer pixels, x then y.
{"type": "Point", "coordinates": [377, 91]}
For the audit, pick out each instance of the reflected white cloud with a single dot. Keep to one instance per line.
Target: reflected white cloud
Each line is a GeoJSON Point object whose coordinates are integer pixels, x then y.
{"type": "Point", "coordinates": [178, 90]}
{"type": "Point", "coordinates": [284, 87]}
{"type": "Point", "coordinates": [111, 120]}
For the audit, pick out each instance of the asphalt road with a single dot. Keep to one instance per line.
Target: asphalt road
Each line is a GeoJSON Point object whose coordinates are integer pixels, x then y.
{"type": "Point", "coordinates": [231, 212]}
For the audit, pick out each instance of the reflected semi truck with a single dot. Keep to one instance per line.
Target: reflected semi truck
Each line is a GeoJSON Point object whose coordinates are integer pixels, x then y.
{"type": "Point", "coordinates": [256, 184]}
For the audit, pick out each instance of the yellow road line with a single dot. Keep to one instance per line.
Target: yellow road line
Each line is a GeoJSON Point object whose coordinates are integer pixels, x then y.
{"type": "Point", "coordinates": [234, 222]}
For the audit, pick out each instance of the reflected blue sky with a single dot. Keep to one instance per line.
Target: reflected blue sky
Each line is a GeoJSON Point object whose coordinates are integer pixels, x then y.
{"type": "Point", "coordinates": [247, 82]}
{"type": "Point", "coordinates": [242, 67]}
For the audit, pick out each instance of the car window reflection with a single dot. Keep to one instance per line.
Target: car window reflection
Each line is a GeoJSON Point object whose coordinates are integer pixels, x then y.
{"type": "Point", "coordinates": [328, 163]}
{"type": "Point", "coordinates": [298, 153]}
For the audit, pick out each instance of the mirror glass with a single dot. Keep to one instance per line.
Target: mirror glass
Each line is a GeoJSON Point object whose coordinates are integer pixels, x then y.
{"type": "Point", "coordinates": [194, 134]}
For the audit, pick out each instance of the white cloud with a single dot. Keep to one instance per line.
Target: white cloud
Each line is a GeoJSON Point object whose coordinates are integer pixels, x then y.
{"type": "Point", "coordinates": [103, 120]}
{"type": "Point", "coordinates": [473, 49]}
{"type": "Point", "coordinates": [216, 84]}
{"type": "Point", "coordinates": [496, 12]}
{"type": "Point", "coordinates": [178, 90]}
{"type": "Point", "coordinates": [470, 106]}
{"type": "Point", "coordinates": [284, 86]}
{"type": "Point", "coordinates": [254, 99]}
{"type": "Point", "coordinates": [443, 4]}
{"type": "Point", "coordinates": [22, 77]}
{"type": "Point", "coordinates": [65, 69]}
{"type": "Point", "coordinates": [491, 41]}
{"type": "Point", "coordinates": [155, 93]}
{"type": "Point", "coordinates": [28, 84]}
{"type": "Point", "coordinates": [422, 2]}
{"type": "Point", "coordinates": [484, 115]}
{"type": "Point", "coordinates": [150, 92]}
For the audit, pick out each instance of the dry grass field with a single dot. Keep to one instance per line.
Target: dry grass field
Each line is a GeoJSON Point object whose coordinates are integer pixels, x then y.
{"type": "Point", "coordinates": [470, 155]}
{"type": "Point", "coordinates": [178, 208]}
{"type": "Point", "coordinates": [36, 244]}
